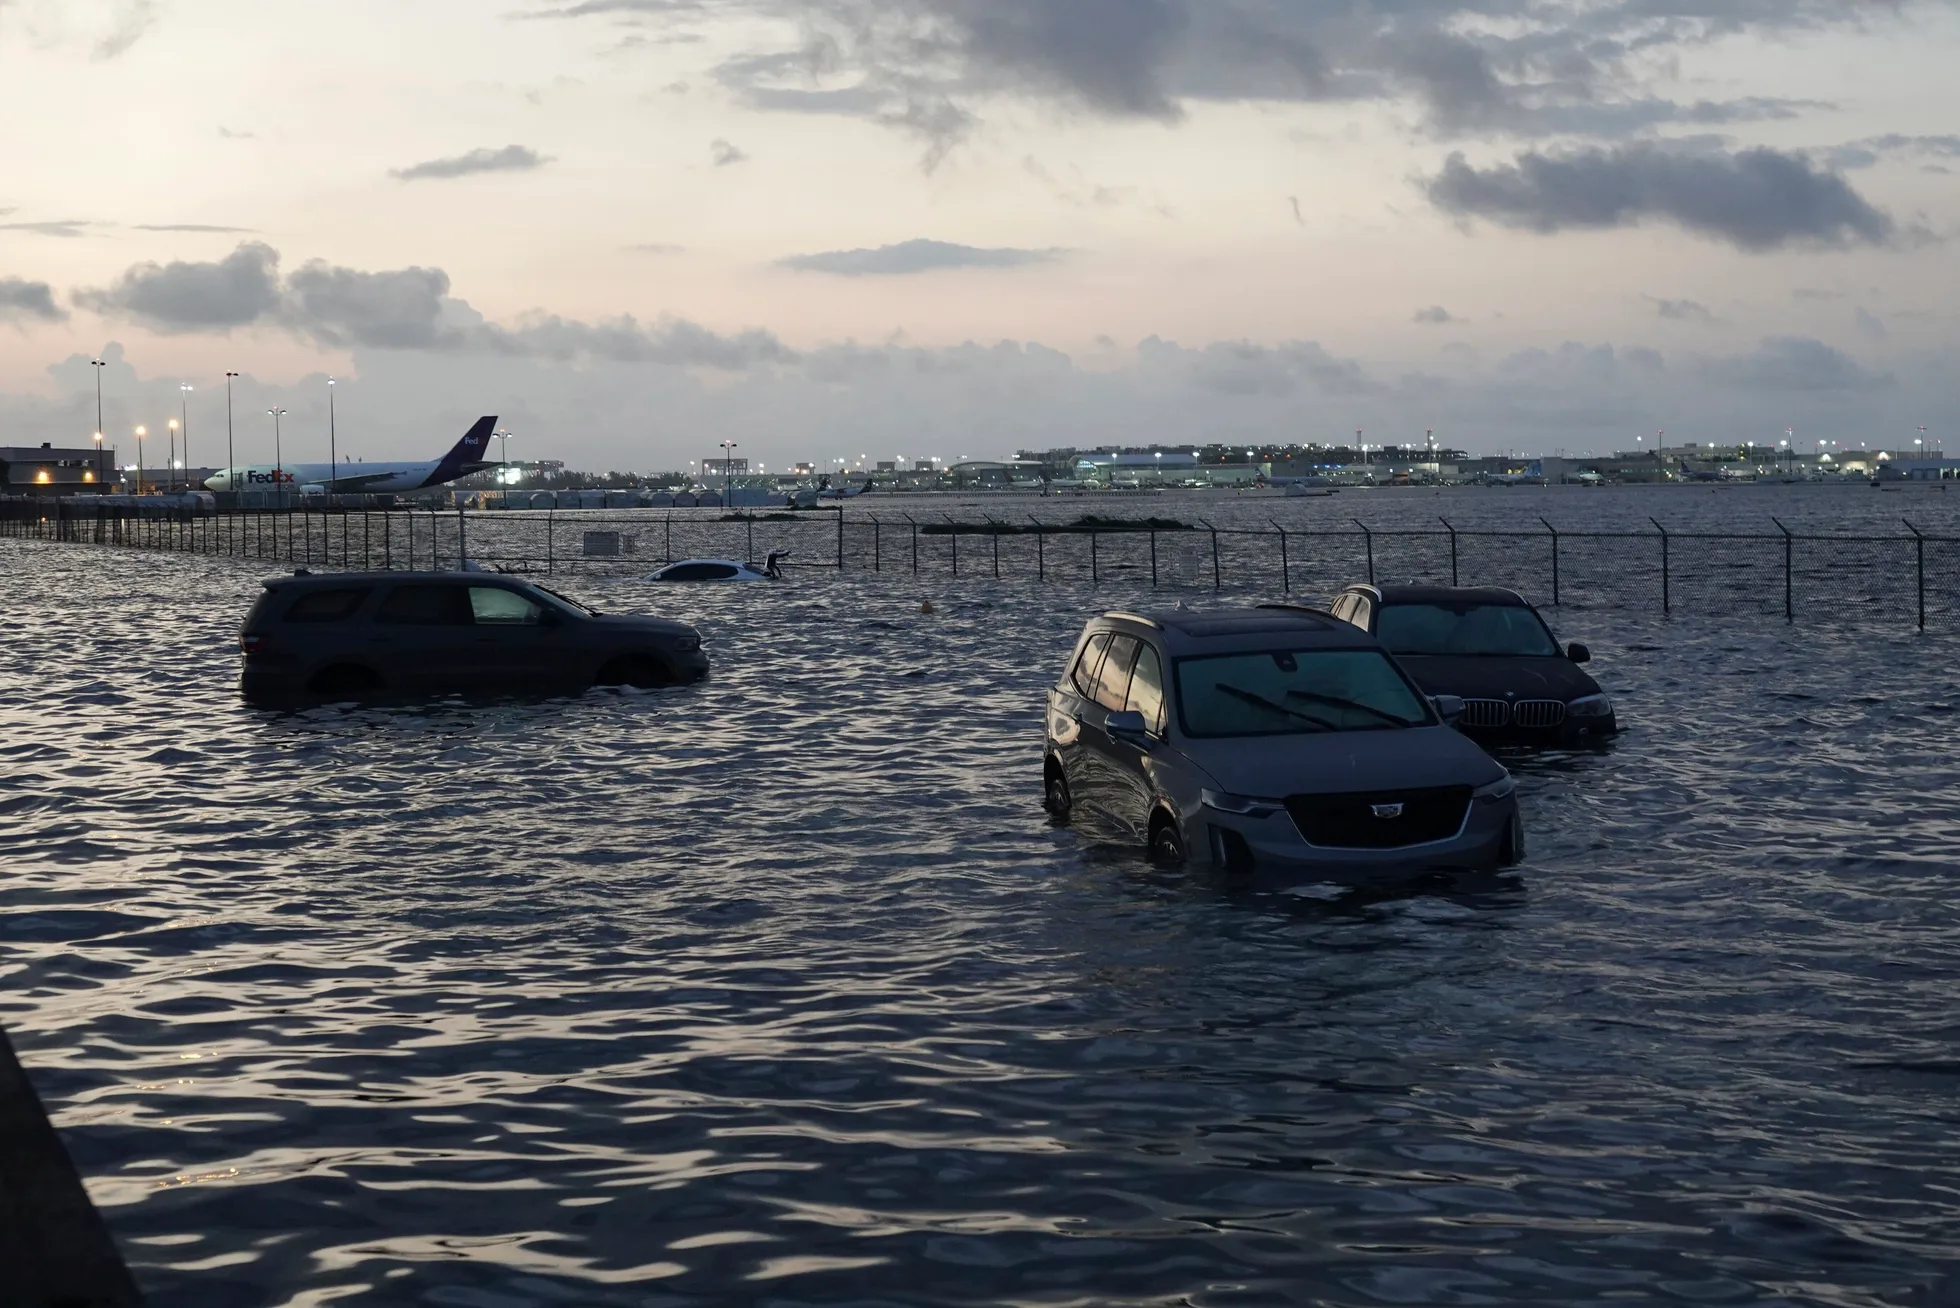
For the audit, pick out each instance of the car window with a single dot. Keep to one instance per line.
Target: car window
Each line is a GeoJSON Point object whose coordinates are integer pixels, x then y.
{"type": "Point", "coordinates": [1293, 692]}
{"type": "Point", "coordinates": [1147, 689]}
{"type": "Point", "coordinates": [699, 572]}
{"type": "Point", "coordinates": [1086, 667]}
{"type": "Point", "coordinates": [327, 605]}
{"type": "Point", "coordinates": [493, 606]}
{"type": "Point", "coordinates": [426, 606]}
{"type": "Point", "coordinates": [1465, 629]}
{"type": "Point", "coordinates": [1113, 682]}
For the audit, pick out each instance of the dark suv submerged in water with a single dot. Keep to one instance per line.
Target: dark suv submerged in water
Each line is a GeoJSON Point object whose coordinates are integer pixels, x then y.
{"type": "Point", "coordinates": [349, 635]}
{"type": "Point", "coordinates": [1275, 739]}
{"type": "Point", "coordinates": [1491, 649]}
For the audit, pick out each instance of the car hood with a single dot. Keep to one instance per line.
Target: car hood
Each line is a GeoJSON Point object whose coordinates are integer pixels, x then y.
{"type": "Point", "coordinates": [633, 622]}
{"type": "Point", "coordinates": [1498, 678]}
{"type": "Point", "coordinates": [1335, 763]}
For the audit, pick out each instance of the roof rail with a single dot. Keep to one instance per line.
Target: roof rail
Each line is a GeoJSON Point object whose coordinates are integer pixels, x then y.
{"type": "Point", "coordinates": [1137, 618]}
{"type": "Point", "coordinates": [1308, 610]}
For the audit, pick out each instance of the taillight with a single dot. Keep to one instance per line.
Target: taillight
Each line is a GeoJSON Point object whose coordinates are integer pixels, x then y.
{"type": "Point", "coordinates": [251, 642]}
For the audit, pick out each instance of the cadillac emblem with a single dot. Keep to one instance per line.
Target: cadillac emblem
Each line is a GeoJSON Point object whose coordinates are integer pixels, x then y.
{"type": "Point", "coordinates": [1388, 810]}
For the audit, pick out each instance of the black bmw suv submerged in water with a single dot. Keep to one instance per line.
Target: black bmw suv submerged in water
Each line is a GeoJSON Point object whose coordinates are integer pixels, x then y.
{"type": "Point", "coordinates": [350, 635]}
{"type": "Point", "coordinates": [1492, 649]}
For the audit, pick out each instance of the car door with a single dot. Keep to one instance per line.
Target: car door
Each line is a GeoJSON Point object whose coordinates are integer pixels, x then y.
{"type": "Point", "coordinates": [516, 647]}
{"type": "Point", "coordinates": [424, 638]}
{"type": "Point", "coordinates": [1133, 790]}
{"type": "Point", "coordinates": [1072, 697]}
{"type": "Point", "coordinates": [1102, 788]}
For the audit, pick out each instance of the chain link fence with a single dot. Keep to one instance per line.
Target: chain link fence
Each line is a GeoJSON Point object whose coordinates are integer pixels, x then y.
{"type": "Point", "coordinates": [1911, 578]}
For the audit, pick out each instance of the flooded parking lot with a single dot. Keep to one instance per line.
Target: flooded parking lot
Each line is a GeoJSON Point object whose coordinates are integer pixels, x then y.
{"type": "Point", "coordinates": [782, 989]}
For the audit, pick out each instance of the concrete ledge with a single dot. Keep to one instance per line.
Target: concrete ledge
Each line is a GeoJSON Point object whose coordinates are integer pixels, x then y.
{"type": "Point", "coordinates": [55, 1251]}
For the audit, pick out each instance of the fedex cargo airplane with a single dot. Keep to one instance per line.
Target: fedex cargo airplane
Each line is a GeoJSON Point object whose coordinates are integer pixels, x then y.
{"type": "Point", "coordinates": [364, 478]}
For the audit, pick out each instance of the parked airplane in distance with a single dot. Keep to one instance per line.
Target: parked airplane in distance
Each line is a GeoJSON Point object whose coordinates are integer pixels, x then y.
{"type": "Point", "coordinates": [364, 478]}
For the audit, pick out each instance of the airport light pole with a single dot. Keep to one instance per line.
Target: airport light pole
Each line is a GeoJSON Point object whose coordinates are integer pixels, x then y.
{"type": "Point", "coordinates": [184, 407]}
{"type": "Point", "coordinates": [96, 366]}
{"type": "Point", "coordinates": [170, 465]}
{"type": "Point", "coordinates": [728, 474]}
{"type": "Point", "coordinates": [101, 475]}
{"type": "Point", "coordinates": [333, 447]}
{"type": "Point", "coordinates": [140, 434]}
{"type": "Point", "coordinates": [278, 457]}
{"type": "Point", "coordinates": [231, 459]}
{"type": "Point", "coordinates": [503, 468]}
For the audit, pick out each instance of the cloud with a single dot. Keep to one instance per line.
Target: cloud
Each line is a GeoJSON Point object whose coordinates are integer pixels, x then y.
{"type": "Point", "coordinates": [724, 154]}
{"type": "Point", "coordinates": [193, 227]}
{"type": "Point", "coordinates": [1436, 315]}
{"type": "Point", "coordinates": [1682, 310]}
{"type": "Point", "coordinates": [397, 310]}
{"type": "Point", "coordinates": [1299, 218]}
{"type": "Point", "coordinates": [65, 228]}
{"type": "Point", "coordinates": [1870, 324]}
{"type": "Point", "coordinates": [1796, 363]}
{"type": "Point", "coordinates": [128, 21]}
{"type": "Point", "coordinates": [510, 159]}
{"type": "Point", "coordinates": [909, 257]}
{"type": "Point", "coordinates": [1524, 67]}
{"type": "Point", "coordinates": [24, 301]}
{"type": "Point", "coordinates": [1756, 200]}
{"type": "Point", "coordinates": [656, 247]}
{"type": "Point", "coordinates": [1868, 152]}
{"type": "Point", "coordinates": [194, 297]}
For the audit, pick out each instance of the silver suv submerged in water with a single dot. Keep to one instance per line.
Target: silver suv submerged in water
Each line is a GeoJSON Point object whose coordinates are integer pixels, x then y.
{"type": "Point", "coordinates": [1271, 738]}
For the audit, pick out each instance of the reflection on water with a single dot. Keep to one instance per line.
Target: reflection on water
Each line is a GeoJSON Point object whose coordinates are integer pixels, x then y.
{"type": "Point", "coordinates": [782, 988]}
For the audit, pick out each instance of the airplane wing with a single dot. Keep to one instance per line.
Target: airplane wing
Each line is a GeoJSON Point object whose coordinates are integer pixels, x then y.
{"type": "Point", "coordinates": [361, 481]}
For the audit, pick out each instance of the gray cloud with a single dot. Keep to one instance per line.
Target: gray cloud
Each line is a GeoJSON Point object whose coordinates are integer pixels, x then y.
{"type": "Point", "coordinates": [398, 310]}
{"type": "Point", "coordinates": [1757, 200]}
{"type": "Point", "coordinates": [671, 341]}
{"type": "Point", "coordinates": [510, 159]}
{"type": "Point", "coordinates": [1796, 363]}
{"type": "Point", "coordinates": [65, 228]}
{"type": "Point", "coordinates": [1526, 67]}
{"type": "Point", "coordinates": [194, 297]}
{"type": "Point", "coordinates": [914, 257]}
{"type": "Point", "coordinates": [128, 21]}
{"type": "Point", "coordinates": [23, 301]}
{"type": "Point", "coordinates": [1435, 315]}
{"type": "Point", "coordinates": [1868, 152]}
{"type": "Point", "coordinates": [1870, 324]}
{"type": "Point", "coordinates": [725, 154]}
{"type": "Point", "coordinates": [194, 227]}
{"type": "Point", "coordinates": [1682, 310]}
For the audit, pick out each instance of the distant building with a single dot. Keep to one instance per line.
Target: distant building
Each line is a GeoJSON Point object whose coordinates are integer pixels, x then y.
{"type": "Point", "coordinates": [725, 467]}
{"type": "Point", "coordinates": [45, 470]}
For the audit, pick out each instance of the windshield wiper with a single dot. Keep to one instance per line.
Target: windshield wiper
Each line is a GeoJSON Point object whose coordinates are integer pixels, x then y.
{"type": "Point", "coordinates": [1260, 701]}
{"type": "Point", "coordinates": [1353, 704]}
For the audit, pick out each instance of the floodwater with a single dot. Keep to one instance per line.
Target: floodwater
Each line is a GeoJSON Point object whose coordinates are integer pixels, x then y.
{"type": "Point", "coordinates": [781, 989]}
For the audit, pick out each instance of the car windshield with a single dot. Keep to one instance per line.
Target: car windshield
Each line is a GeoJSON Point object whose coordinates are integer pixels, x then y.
{"type": "Point", "coordinates": [567, 601]}
{"type": "Point", "coordinates": [1464, 629]}
{"type": "Point", "coordinates": [1294, 692]}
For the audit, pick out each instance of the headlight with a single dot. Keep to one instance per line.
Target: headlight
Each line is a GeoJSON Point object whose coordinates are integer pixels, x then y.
{"type": "Point", "coordinates": [1591, 706]}
{"type": "Point", "coordinates": [687, 644]}
{"type": "Point", "coordinates": [1496, 790]}
{"type": "Point", "coordinates": [1238, 804]}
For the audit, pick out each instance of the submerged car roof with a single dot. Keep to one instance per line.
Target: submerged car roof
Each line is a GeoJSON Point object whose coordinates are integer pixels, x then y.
{"type": "Point", "coordinates": [1227, 631]}
{"type": "Point", "coordinates": [305, 578]}
{"type": "Point", "coordinates": [1416, 594]}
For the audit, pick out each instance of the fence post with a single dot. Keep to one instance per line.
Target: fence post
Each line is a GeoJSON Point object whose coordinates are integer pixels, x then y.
{"type": "Point", "coordinates": [1285, 563]}
{"type": "Point", "coordinates": [1217, 579]}
{"type": "Point", "coordinates": [1369, 537]}
{"type": "Point", "coordinates": [915, 543]}
{"type": "Point", "coordinates": [996, 535]}
{"type": "Point", "coordinates": [1667, 600]}
{"type": "Point", "coordinates": [1919, 548]}
{"type": "Point", "coordinates": [1789, 599]}
{"type": "Point", "coordinates": [751, 544]}
{"type": "Point", "coordinates": [550, 523]}
{"type": "Point", "coordinates": [1452, 532]}
{"type": "Point", "coordinates": [877, 544]}
{"type": "Point", "coordinates": [1095, 563]}
{"type": "Point", "coordinates": [1554, 530]}
{"type": "Point", "coordinates": [1153, 558]}
{"type": "Point", "coordinates": [1040, 549]}
{"type": "Point", "coordinates": [956, 542]}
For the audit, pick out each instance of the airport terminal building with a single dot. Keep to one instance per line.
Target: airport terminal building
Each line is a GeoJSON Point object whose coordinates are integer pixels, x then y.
{"type": "Point", "coordinates": [45, 470]}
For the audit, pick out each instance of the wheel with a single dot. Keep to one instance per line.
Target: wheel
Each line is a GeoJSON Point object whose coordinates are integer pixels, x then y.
{"type": "Point", "coordinates": [344, 679]}
{"type": "Point", "coordinates": [1166, 842]}
{"type": "Point", "coordinates": [1056, 797]}
{"type": "Point", "coordinates": [638, 673]}
{"type": "Point", "coordinates": [1510, 850]}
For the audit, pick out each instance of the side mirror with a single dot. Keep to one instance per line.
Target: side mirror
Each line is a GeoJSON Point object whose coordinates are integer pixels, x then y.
{"type": "Point", "coordinates": [550, 617]}
{"type": "Point", "coordinates": [1129, 728]}
{"type": "Point", "coordinates": [1449, 708]}
{"type": "Point", "coordinates": [1578, 653]}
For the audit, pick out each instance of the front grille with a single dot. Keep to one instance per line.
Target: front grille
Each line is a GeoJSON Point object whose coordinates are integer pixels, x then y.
{"type": "Point", "coordinates": [1538, 714]}
{"type": "Point", "coordinates": [1486, 713]}
{"type": "Point", "coordinates": [1350, 821]}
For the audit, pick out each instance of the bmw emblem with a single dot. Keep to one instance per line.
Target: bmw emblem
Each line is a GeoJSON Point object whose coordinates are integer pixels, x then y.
{"type": "Point", "coordinates": [1388, 810]}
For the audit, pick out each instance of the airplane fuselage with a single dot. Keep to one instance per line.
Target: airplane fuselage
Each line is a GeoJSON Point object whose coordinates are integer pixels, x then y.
{"type": "Point", "coordinates": [352, 478]}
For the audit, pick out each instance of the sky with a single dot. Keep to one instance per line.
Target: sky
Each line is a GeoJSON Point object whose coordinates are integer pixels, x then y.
{"type": "Point", "coordinates": [959, 228]}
